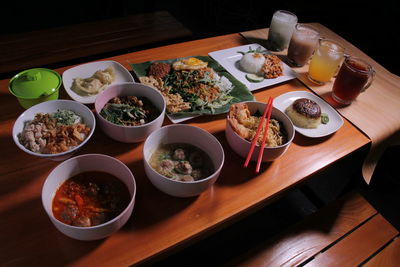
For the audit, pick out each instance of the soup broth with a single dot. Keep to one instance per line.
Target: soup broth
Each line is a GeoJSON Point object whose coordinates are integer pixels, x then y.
{"type": "Point", "coordinates": [90, 198]}
{"type": "Point", "coordinates": [181, 162]}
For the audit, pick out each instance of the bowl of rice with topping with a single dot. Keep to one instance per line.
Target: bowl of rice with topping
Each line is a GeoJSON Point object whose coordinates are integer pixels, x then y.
{"type": "Point", "coordinates": [54, 129]}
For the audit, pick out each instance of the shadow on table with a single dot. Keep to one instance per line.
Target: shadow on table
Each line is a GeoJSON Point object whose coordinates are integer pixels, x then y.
{"type": "Point", "coordinates": [151, 205]}
{"type": "Point", "coordinates": [384, 190]}
{"type": "Point", "coordinates": [304, 141]}
{"type": "Point", "coordinates": [15, 162]}
{"type": "Point", "coordinates": [29, 219]}
{"type": "Point", "coordinates": [102, 144]}
{"type": "Point", "coordinates": [262, 42]}
{"type": "Point", "coordinates": [10, 109]}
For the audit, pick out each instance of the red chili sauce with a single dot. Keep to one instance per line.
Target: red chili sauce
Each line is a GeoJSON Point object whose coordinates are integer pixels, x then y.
{"type": "Point", "coordinates": [90, 198]}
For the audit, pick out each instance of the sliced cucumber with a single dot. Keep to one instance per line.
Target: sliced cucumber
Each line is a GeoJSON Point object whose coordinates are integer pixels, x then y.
{"type": "Point", "coordinates": [254, 78]}
{"type": "Point", "coordinates": [324, 118]}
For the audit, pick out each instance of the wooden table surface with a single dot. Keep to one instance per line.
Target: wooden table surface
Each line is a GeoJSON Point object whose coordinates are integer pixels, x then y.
{"type": "Point", "coordinates": [159, 223]}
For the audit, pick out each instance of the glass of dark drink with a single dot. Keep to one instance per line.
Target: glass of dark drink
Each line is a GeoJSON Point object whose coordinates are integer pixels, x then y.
{"type": "Point", "coordinates": [355, 76]}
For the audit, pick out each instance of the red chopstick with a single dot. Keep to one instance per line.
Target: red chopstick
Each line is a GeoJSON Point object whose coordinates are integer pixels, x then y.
{"type": "Point", "coordinates": [260, 155]}
{"type": "Point", "coordinates": [255, 138]}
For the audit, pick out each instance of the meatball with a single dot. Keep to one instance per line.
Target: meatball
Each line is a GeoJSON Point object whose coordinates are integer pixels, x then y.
{"type": "Point", "coordinates": [179, 154]}
{"type": "Point", "coordinates": [69, 213]}
{"type": "Point", "coordinates": [159, 70]}
{"type": "Point", "coordinates": [82, 221]}
{"type": "Point", "coordinates": [197, 174]}
{"type": "Point", "coordinates": [183, 167]}
{"type": "Point", "coordinates": [186, 178]}
{"type": "Point", "coordinates": [167, 164]}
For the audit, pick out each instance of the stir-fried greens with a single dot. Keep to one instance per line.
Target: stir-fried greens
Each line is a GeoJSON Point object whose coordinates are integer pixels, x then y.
{"type": "Point", "coordinates": [129, 111]}
{"type": "Point", "coordinates": [201, 89]}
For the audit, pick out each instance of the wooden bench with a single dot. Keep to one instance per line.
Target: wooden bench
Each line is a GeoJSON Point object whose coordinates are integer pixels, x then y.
{"type": "Point", "coordinates": [349, 232]}
{"type": "Point", "coordinates": [25, 50]}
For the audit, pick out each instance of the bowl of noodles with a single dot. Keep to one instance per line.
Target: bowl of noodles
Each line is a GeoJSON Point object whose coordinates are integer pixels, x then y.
{"type": "Point", "coordinates": [241, 126]}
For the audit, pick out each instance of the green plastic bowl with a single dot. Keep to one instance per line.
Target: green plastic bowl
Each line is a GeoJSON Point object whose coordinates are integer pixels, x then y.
{"type": "Point", "coordinates": [34, 86]}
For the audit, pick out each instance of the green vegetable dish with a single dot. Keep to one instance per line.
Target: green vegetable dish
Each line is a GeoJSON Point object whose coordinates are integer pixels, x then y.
{"type": "Point", "coordinates": [129, 111]}
{"type": "Point", "coordinates": [193, 86]}
{"type": "Point", "coordinates": [65, 117]}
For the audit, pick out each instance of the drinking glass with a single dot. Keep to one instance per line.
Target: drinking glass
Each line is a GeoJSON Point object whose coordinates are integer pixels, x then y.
{"type": "Point", "coordinates": [325, 61]}
{"type": "Point", "coordinates": [354, 77]}
{"type": "Point", "coordinates": [281, 30]}
{"type": "Point", "coordinates": [302, 45]}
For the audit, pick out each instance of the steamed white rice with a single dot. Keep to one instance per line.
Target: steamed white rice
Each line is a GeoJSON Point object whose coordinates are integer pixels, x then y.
{"type": "Point", "coordinates": [252, 63]}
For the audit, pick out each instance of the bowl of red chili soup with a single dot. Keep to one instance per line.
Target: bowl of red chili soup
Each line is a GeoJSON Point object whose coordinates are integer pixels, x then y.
{"type": "Point", "coordinates": [129, 112]}
{"type": "Point", "coordinates": [89, 197]}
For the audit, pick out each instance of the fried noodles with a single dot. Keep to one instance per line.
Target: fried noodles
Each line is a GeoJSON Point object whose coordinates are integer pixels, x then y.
{"type": "Point", "coordinates": [245, 125]}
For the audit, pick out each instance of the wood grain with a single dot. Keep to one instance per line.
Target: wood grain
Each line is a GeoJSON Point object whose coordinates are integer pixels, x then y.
{"type": "Point", "coordinates": [359, 245]}
{"type": "Point", "coordinates": [159, 222]}
{"type": "Point", "coordinates": [305, 240]}
{"type": "Point", "coordinates": [42, 47]}
{"type": "Point", "coordinates": [389, 256]}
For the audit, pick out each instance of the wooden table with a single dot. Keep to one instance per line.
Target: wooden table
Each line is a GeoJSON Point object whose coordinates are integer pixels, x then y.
{"type": "Point", "coordinates": [159, 223]}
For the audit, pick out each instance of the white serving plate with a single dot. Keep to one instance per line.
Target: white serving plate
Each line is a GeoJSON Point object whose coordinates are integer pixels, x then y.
{"type": "Point", "coordinates": [86, 71]}
{"type": "Point", "coordinates": [229, 59]}
{"type": "Point", "coordinates": [335, 120]}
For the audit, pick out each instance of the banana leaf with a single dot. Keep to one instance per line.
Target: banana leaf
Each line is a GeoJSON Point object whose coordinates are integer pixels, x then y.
{"type": "Point", "coordinates": [239, 92]}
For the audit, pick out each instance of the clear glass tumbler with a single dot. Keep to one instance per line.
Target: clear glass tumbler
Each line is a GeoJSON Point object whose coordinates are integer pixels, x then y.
{"type": "Point", "coordinates": [281, 30]}
{"type": "Point", "coordinates": [325, 61]}
{"type": "Point", "coordinates": [302, 45]}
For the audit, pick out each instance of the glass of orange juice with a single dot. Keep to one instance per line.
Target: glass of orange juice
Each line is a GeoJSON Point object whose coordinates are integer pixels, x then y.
{"type": "Point", "coordinates": [325, 61]}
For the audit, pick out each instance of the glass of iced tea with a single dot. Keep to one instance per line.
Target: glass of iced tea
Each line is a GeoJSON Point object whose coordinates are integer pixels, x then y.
{"type": "Point", "coordinates": [355, 76]}
{"type": "Point", "coordinates": [325, 61]}
{"type": "Point", "coordinates": [304, 41]}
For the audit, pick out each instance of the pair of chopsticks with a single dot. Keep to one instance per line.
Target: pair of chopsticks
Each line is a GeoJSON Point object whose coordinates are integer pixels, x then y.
{"type": "Point", "coordinates": [267, 112]}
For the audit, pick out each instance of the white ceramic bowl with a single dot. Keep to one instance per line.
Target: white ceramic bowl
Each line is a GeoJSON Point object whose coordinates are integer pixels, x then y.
{"type": "Point", "coordinates": [49, 107]}
{"type": "Point", "coordinates": [130, 134]}
{"type": "Point", "coordinates": [241, 146]}
{"type": "Point", "coordinates": [87, 70]}
{"type": "Point", "coordinates": [84, 163]}
{"type": "Point", "coordinates": [180, 133]}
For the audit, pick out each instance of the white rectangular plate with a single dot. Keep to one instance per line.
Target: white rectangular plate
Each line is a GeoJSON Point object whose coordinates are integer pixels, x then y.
{"type": "Point", "coordinates": [229, 59]}
{"type": "Point", "coordinates": [335, 120]}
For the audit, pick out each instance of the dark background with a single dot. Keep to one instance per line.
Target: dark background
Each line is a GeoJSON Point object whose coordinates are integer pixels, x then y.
{"type": "Point", "coordinates": [373, 27]}
{"type": "Point", "coordinates": [370, 26]}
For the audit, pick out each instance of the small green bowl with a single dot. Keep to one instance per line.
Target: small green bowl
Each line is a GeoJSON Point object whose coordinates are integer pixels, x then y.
{"type": "Point", "coordinates": [34, 86]}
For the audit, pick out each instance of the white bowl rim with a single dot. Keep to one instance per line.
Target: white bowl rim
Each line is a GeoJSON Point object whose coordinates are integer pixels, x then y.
{"type": "Point", "coordinates": [196, 181]}
{"type": "Point", "coordinates": [162, 112]}
{"type": "Point", "coordinates": [266, 147]}
{"type": "Point", "coordinates": [16, 141]}
{"type": "Point", "coordinates": [99, 225]}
